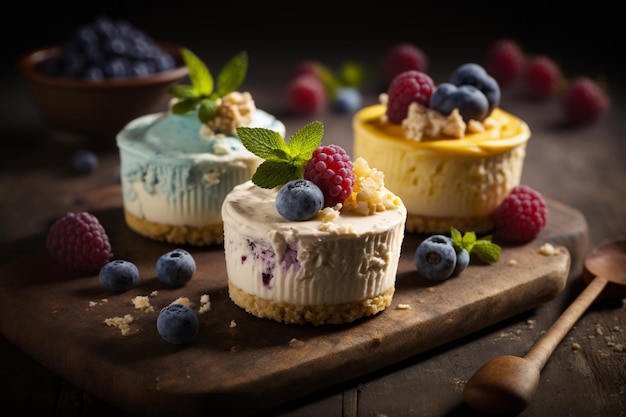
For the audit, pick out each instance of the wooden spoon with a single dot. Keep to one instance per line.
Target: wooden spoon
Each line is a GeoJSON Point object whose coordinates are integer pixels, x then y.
{"type": "Point", "coordinates": [507, 384]}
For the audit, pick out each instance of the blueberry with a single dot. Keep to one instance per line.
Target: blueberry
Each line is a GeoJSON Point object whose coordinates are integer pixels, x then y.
{"type": "Point", "coordinates": [93, 73]}
{"type": "Point", "coordinates": [299, 200]}
{"type": "Point", "coordinates": [462, 262]}
{"type": "Point", "coordinates": [177, 324]}
{"type": "Point", "coordinates": [107, 48]}
{"type": "Point", "coordinates": [175, 268]}
{"type": "Point", "coordinates": [469, 100]}
{"type": "Point", "coordinates": [435, 258]}
{"type": "Point", "coordinates": [474, 74]}
{"type": "Point", "coordinates": [347, 100]}
{"type": "Point", "coordinates": [84, 161]}
{"type": "Point", "coordinates": [119, 275]}
{"type": "Point", "coordinates": [117, 67]}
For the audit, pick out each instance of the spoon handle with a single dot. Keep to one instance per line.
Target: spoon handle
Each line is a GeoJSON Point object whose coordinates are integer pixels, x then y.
{"type": "Point", "coordinates": [541, 351]}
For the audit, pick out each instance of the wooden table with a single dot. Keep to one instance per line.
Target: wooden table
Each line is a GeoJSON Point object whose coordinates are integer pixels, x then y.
{"type": "Point", "coordinates": [582, 168]}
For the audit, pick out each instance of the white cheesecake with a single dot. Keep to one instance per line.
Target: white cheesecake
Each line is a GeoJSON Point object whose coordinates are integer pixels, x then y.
{"type": "Point", "coordinates": [335, 268]}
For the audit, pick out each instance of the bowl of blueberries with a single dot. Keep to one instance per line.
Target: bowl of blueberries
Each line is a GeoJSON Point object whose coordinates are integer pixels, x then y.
{"type": "Point", "coordinates": [108, 73]}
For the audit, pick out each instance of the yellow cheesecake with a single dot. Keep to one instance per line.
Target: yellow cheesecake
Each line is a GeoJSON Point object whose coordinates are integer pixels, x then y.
{"type": "Point", "coordinates": [444, 180]}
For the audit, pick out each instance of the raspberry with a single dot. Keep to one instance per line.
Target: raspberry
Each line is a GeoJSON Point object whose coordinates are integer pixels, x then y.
{"type": "Point", "coordinates": [307, 66]}
{"type": "Point", "coordinates": [406, 88]}
{"type": "Point", "coordinates": [584, 101]}
{"type": "Point", "coordinates": [403, 57]}
{"type": "Point", "coordinates": [306, 94]}
{"type": "Point", "coordinates": [542, 77]}
{"type": "Point", "coordinates": [505, 61]}
{"type": "Point", "coordinates": [330, 168]}
{"type": "Point", "coordinates": [521, 215]}
{"type": "Point", "coordinates": [79, 242]}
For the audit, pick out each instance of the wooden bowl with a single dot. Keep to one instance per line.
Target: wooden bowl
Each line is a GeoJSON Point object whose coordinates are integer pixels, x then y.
{"type": "Point", "coordinates": [97, 108]}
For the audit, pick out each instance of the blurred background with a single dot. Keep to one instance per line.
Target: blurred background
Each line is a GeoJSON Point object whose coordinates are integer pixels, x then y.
{"type": "Point", "coordinates": [588, 36]}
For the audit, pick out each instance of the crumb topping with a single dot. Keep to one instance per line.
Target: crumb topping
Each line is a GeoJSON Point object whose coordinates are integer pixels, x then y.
{"type": "Point", "coordinates": [423, 123]}
{"type": "Point", "coordinates": [369, 194]}
{"type": "Point", "coordinates": [234, 110]}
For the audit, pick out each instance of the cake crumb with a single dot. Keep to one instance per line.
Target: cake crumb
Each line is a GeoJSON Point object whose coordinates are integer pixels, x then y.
{"type": "Point", "coordinates": [154, 293]}
{"type": "Point", "coordinates": [205, 304]}
{"type": "Point", "coordinates": [92, 304]}
{"type": "Point", "coordinates": [599, 330]}
{"type": "Point", "coordinates": [404, 306]}
{"type": "Point", "coordinates": [547, 249]}
{"type": "Point", "coordinates": [182, 300]}
{"type": "Point", "coordinates": [530, 323]}
{"type": "Point", "coordinates": [575, 347]}
{"type": "Point", "coordinates": [141, 302]}
{"type": "Point", "coordinates": [512, 262]}
{"type": "Point", "coordinates": [296, 343]}
{"type": "Point", "coordinates": [233, 323]}
{"type": "Point", "coordinates": [122, 323]}
{"type": "Point", "coordinates": [459, 382]}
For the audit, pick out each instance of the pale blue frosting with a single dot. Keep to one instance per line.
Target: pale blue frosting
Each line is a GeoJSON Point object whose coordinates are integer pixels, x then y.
{"type": "Point", "coordinates": [166, 153]}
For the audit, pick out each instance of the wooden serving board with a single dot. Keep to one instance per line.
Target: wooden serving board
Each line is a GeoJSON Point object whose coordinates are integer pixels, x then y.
{"type": "Point", "coordinates": [240, 364]}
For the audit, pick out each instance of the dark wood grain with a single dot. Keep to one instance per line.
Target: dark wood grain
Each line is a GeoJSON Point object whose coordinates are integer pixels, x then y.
{"type": "Point", "coordinates": [57, 317]}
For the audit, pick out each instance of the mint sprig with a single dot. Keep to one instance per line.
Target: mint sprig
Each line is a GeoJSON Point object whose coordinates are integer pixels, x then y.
{"type": "Point", "coordinates": [283, 161]}
{"type": "Point", "coordinates": [349, 74]}
{"type": "Point", "coordinates": [483, 248]}
{"type": "Point", "coordinates": [203, 93]}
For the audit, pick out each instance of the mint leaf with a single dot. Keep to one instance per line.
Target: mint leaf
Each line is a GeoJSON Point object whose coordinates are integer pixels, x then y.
{"type": "Point", "coordinates": [271, 174]}
{"type": "Point", "coordinates": [199, 74]}
{"type": "Point", "coordinates": [200, 92]}
{"type": "Point", "coordinates": [283, 161]}
{"type": "Point", "coordinates": [457, 238]}
{"type": "Point", "coordinates": [182, 91]}
{"type": "Point", "coordinates": [306, 140]}
{"type": "Point", "coordinates": [207, 110]}
{"type": "Point", "coordinates": [486, 251]}
{"type": "Point", "coordinates": [331, 83]}
{"type": "Point", "coordinates": [469, 239]}
{"type": "Point", "coordinates": [185, 106]}
{"type": "Point", "coordinates": [263, 142]}
{"type": "Point", "coordinates": [233, 74]}
{"type": "Point", "coordinates": [352, 74]}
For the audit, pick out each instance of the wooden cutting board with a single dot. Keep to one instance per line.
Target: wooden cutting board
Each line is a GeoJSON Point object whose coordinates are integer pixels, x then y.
{"type": "Point", "coordinates": [239, 363]}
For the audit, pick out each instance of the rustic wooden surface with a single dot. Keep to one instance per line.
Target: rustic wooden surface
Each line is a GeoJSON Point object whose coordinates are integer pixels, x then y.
{"type": "Point", "coordinates": [65, 312]}
{"type": "Point", "coordinates": [582, 168]}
